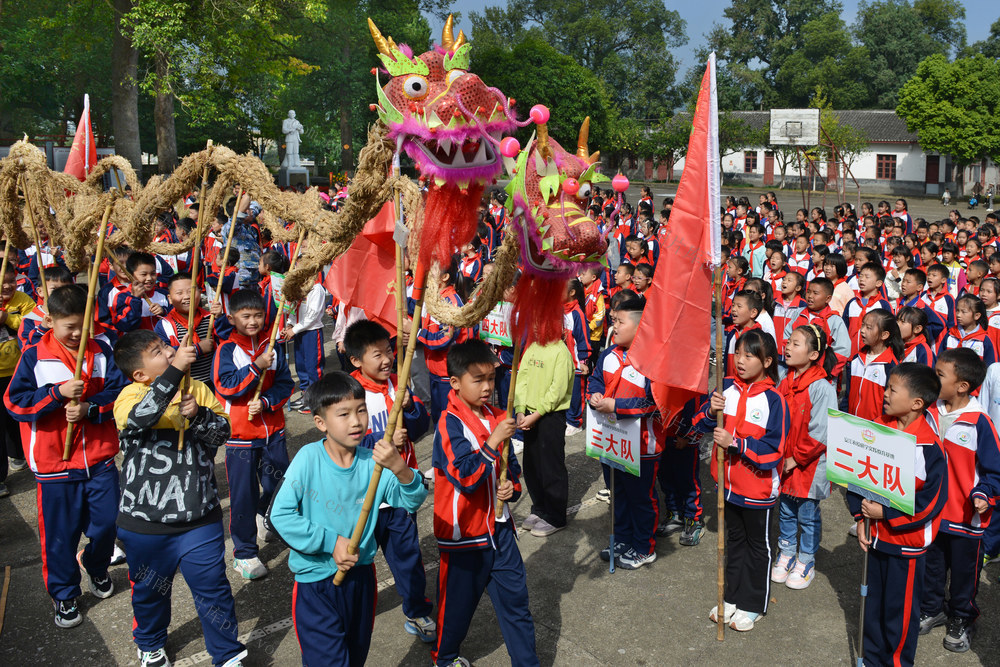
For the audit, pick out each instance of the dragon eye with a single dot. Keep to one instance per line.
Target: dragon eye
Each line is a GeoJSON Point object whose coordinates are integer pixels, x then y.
{"type": "Point", "coordinates": [584, 191]}
{"type": "Point", "coordinates": [415, 87]}
{"type": "Point", "coordinates": [454, 74]}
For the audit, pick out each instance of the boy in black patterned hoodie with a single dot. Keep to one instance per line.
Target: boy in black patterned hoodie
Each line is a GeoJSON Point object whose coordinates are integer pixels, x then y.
{"type": "Point", "coordinates": [170, 515]}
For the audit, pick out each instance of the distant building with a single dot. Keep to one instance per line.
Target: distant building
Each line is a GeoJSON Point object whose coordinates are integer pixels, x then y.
{"type": "Point", "coordinates": [894, 161]}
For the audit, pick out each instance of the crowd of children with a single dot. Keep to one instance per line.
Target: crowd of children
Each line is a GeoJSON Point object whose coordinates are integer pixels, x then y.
{"type": "Point", "coordinates": [890, 318]}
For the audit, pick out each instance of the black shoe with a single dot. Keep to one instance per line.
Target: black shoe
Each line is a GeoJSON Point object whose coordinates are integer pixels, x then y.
{"type": "Point", "coordinates": [693, 529]}
{"type": "Point", "coordinates": [930, 621]}
{"type": "Point", "coordinates": [67, 614]}
{"type": "Point", "coordinates": [959, 637]}
{"type": "Point", "coordinates": [673, 524]}
{"type": "Point", "coordinates": [620, 548]}
{"type": "Point", "coordinates": [102, 587]}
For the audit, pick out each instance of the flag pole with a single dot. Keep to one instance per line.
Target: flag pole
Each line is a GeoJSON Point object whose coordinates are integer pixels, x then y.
{"type": "Point", "coordinates": [720, 499]}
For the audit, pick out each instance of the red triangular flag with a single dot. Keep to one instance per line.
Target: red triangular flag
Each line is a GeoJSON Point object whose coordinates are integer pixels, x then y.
{"type": "Point", "coordinates": [672, 343]}
{"type": "Point", "coordinates": [365, 275]}
{"type": "Point", "coordinates": [83, 154]}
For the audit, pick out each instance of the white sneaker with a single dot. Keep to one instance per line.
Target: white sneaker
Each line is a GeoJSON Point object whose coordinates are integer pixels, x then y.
{"type": "Point", "coordinates": [728, 612]}
{"type": "Point", "coordinates": [604, 495]}
{"type": "Point", "coordinates": [743, 621]}
{"type": "Point", "coordinates": [518, 446]}
{"type": "Point", "coordinates": [17, 464]}
{"type": "Point", "coordinates": [118, 557]}
{"type": "Point", "coordinates": [262, 531]}
{"type": "Point", "coordinates": [250, 568]}
{"type": "Point", "coordinates": [779, 571]}
{"type": "Point", "coordinates": [801, 575]}
{"type": "Point", "coordinates": [572, 430]}
{"type": "Point", "coordinates": [853, 530]}
{"type": "Point", "coordinates": [157, 658]}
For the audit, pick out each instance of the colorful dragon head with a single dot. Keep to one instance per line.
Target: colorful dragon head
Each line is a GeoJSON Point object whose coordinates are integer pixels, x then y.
{"type": "Point", "coordinates": [547, 199]}
{"type": "Point", "coordinates": [442, 115]}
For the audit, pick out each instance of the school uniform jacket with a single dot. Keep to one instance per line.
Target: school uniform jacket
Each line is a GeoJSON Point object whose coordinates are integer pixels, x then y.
{"type": "Point", "coordinates": [758, 418]}
{"type": "Point", "coordinates": [466, 477]}
{"type": "Point", "coordinates": [918, 351]}
{"type": "Point", "coordinates": [781, 313]}
{"type": "Point", "coordinates": [379, 398]}
{"type": "Point", "coordinates": [235, 376]}
{"type": "Point", "coordinates": [944, 306]}
{"type": "Point", "coordinates": [471, 267]}
{"type": "Point", "coordinates": [977, 340]}
{"type": "Point", "coordinates": [33, 398]}
{"type": "Point", "coordinates": [595, 310]}
{"type": "Point", "coordinates": [899, 534]}
{"type": "Point", "coordinates": [435, 338]}
{"type": "Point", "coordinates": [935, 320]}
{"type": "Point", "coordinates": [973, 451]}
{"type": "Point", "coordinates": [831, 324]}
{"type": "Point", "coordinates": [129, 312]}
{"type": "Point", "coordinates": [615, 377]}
{"type": "Point", "coordinates": [867, 378]}
{"type": "Point", "coordinates": [575, 333]}
{"type": "Point", "coordinates": [854, 315]}
{"type": "Point", "coordinates": [801, 264]}
{"type": "Point", "coordinates": [808, 396]}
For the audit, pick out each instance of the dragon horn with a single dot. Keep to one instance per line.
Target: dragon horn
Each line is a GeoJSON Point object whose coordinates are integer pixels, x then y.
{"type": "Point", "coordinates": [380, 42]}
{"type": "Point", "coordinates": [447, 37]}
{"type": "Point", "coordinates": [459, 41]}
{"type": "Point", "coordinates": [581, 144]}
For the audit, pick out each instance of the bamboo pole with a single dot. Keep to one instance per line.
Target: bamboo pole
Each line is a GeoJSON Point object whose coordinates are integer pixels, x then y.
{"type": "Point", "coordinates": [720, 500]}
{"type": "Point", "coordinates": [505, 448]}
{"type": "Point", "coordinates": [88, 317]}
{"type": "Point", "coordinates": [195, 261]}
{"type": "Point", "coordinates": [38, 242]}
{"type": "Point", "coordinates": [860, 657]}
{"type": "Point", "coordinates": [225, 258]}
{"type": "Point", "coordinates": [420, 277]}
{"type": "Point", "coordinates": [275, 327]}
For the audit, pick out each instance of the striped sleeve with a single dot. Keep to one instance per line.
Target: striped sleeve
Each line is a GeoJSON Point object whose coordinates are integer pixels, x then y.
{"type": "Point", "coordinates": [26, 401]}
{"type": "Point", "coordinates": [766, 452]}
{"type": "Point", "coordinates": [229, 380]}
{"type": "Point", "coordinates": [931, 495]}
{"type": "Point", "coordinates": [465, 467]}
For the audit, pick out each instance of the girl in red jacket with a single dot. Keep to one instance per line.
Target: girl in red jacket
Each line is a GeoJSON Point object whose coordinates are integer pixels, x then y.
{"type": "Point", "coordinates": [751, 441]}
{"type": "Point", "coordinates": [808, 393]}
{"type": "Point", "coordinates": [917, 341]}
{"type": "Point", "coordinates": [869, 370]}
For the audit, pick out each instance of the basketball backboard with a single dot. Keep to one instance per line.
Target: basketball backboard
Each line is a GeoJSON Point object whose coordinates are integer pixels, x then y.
{"type": "Point", "coordinates": [794, 127]}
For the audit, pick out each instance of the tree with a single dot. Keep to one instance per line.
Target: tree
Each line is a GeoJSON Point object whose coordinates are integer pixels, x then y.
{"type": "Point", "coordinates": [840, 144]}
{"type": "Point", "coordinates": [952, 107]}
{"type": "Point", "coordinates": [624, 42]}
{"type": "Point", "coordinates": [898, 35]}
{"type": "Point", "coordinates": [989, 47]}
{"type": "Point", "coordinates": [125, 87]}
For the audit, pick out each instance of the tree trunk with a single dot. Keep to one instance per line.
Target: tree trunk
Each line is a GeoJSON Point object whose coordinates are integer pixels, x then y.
{"type": "Point", "coordinates": [346, 138]}
{"type": "Point", "coordinates": [125, 89]}
{"type": "Point", "coordinates": [163, 112]}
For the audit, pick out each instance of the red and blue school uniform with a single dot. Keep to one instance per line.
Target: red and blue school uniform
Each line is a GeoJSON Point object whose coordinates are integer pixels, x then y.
{"type": "Point", "coordinates": [266, 286]}
{"type": "Point", "coordinates": [471, 267]}
{"type": "Point", "coordinates": [256, 447]}
{"type": "Point", "coordinates": [130, 312]}
{"type": "Point", "coordinates": [78, 496]}
{"type": "Point", "coordinates": [27, 263]}
{"type": "Point", "coordinates": [106, 296]}
{"type": "Point", "coordinates": [775, 278]}
{"type": "Point", "coordinates": [919, 351]}
{"type": "Point", "coordinates": [976, 340]}
{"type": "Point", "coordinates": [307, 336]}
{"type": "Point", "coordinates": [758, 419]}
{"type": "Point", "coordinates": [577, 337]}
{"type": "Point", "coordinates": [867, 378]}
{"type": "Point", "coordinates": [800, 263]}
{"type": "Point", "coordinates": [854, 315]}
{"type": "Point", "coordinates": [229, 283]}
{"type": "Point", "coordinates": [395, 528]}
{"type": "Point", "coordinates": [936, 321]}
{"type": "Point", "coordinates": [32, 329]}
{"type": "Point", "coordinates": [780, 318]}
{"type": "Point", "coordinates": [478, 551]}
{"type": "Point", "coordinates": [436, 339]}
{"type": "Point", "coordinates": [832, 325]}
{"type": "Point", "coordinates": [973, 452]}
{"type": "Point", "coordinates": [678, 473]}
{"type": "Point", "coordinates": [172, 328]}
{"type": "Point", "coordinates": [729, 289]}
{"type": "Point", "coordinates": [943, 305]}
{"type": "Point", "coordinates": [896, 571]}
{"type": "Point", "coordinates": [637, 511]}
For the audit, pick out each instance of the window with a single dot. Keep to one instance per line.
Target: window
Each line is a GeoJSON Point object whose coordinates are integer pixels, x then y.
{"type": "Point", "coordinates": [750, 162]}
{"type": "Point", "coordinates": [885, 167]}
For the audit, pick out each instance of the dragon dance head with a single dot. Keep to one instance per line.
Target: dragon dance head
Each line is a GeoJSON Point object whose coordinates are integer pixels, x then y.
{"type": "Point", "coordinates": [450, 123]}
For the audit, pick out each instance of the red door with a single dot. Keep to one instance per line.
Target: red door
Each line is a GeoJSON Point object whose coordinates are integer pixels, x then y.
{"type": "Point", "coordinates": [768, 167]}
{"type": "Point", "coordinates": [933, 164]}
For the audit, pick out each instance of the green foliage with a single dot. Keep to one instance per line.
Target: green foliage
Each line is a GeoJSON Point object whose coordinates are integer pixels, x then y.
{"type": "Point", "coordinates": [849, 141]}
{"type": "Point", "coordinates": [952, 106]}
{"type": "Point", "coordinates": [989, 47]}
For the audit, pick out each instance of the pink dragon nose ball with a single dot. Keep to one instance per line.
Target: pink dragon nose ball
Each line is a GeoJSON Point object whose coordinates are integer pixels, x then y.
{"type": "Point", "coordinates": [539, 114]}
{"type": "Point", "coordinates": [620, 183]}
{"type": "Point", "coordinates": [571, 186]}
{"type": "Point", "coordinates": [509, 147]}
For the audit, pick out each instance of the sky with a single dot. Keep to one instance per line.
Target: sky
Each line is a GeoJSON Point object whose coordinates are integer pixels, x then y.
{"type": "Point", "coordinates": [979, 15]}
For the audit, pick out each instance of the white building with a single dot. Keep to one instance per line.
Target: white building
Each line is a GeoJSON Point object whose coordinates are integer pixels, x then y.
{"type": "Point", "coordinates": [894, 161]}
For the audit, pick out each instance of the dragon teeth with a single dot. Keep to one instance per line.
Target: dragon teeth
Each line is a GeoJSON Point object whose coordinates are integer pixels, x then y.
{"type": "Point", "coordinates": [480, 156]}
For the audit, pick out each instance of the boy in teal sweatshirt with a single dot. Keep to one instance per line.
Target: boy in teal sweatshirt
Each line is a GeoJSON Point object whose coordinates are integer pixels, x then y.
{"type": "Point", "coordinates": [314, 511]}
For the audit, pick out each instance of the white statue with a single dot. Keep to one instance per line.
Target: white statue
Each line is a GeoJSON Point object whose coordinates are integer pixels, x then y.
{"type": "Point", "coordinates": [291, 128]}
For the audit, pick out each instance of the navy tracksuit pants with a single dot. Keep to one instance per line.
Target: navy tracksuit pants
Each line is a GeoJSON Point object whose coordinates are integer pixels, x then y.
{"type": "Point", "coordinates": [892, 610]}
{"type": "Point", "coordinates": [199, 554]}
{"type": "Point", "coordinates": [637, 507]}
{"type": "Point", "coordinates": [253, 474]}
{"type": "Point", "coordinates": [964, 558]}
{"type": "Point", "coordinates": [679, 480]}
{"type": "Point", "coordinates": [463, 577]}
{"type": "Point", "coordinates": [65, 511]}
{"type": "Point", "coordinates": [333, 624]}
{"type": "Point", "coordinates": [440, 388]}
{"type": "Point", "coordinates": [396, 534]}
{"type": "Point", "coordinates": [574, 416]}
{"type": "Point", "coordinates": [310, 357]}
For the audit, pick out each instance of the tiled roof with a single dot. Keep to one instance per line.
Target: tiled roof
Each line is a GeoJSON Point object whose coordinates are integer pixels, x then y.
{"type": "Point", "coordinates": [878, 124]}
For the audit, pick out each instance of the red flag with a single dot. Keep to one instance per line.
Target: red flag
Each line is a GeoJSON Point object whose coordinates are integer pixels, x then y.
{"type": "Point", "coordinates": [83, 154]}
{"type": "Point", "coordinates": [365, 275]}
{"type": "Point", "coordinates": [672, 343]}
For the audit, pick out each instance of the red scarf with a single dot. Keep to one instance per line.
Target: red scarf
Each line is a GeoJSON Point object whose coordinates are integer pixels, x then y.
{"type": "Point", "coordinates": [472, 421]}
{"type": "Point", "coordinates": [54, 348]}
{"type": "Point", "coordinates": [748, 391]}
{"type": "Point", "coordinates": [181, 321]}
{"type": "Point", "coordinates": [977, 334]}
{"type": "Point", "coordinates": [377, 387]}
